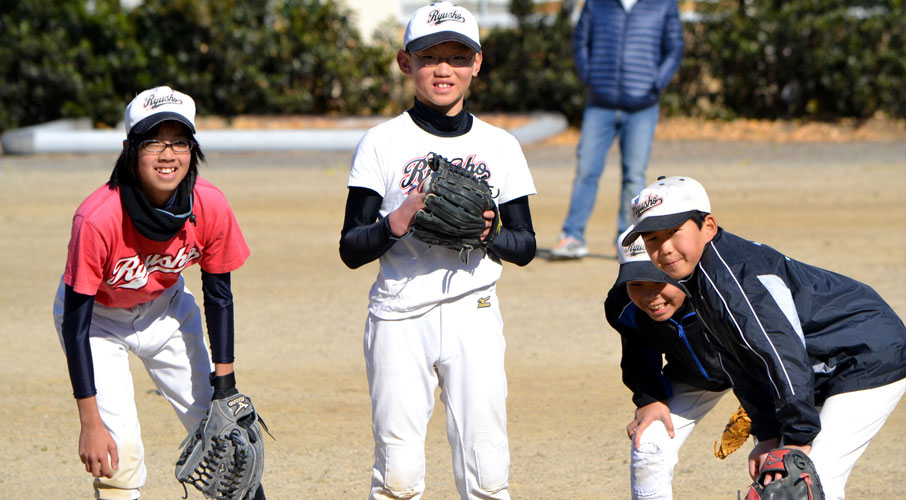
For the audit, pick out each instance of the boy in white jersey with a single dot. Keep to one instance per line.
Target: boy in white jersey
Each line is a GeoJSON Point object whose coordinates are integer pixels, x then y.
{"type": "Point", "coordinates": [433, 319]}
{"type": "Point", "coordinates": [122, 290]}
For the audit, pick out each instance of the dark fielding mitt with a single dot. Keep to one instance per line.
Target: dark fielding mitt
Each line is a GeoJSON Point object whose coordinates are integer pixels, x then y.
{"type": "Point", "coordinates": [224, 456]}
{"type": "Point", "coordinates": [800, 481]}
{"type": "Point", "coordinates": [454, 206]}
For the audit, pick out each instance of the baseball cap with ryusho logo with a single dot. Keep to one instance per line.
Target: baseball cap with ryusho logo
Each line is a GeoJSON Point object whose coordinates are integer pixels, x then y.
{"type": "Point", "coordinates": [441, 22]}
{"type": "Point", "coordinates": [635, 264]}
{"type": "Point", "coordinates": [666, 203]}
{"type": "Point", "coordinates": [157, 105]}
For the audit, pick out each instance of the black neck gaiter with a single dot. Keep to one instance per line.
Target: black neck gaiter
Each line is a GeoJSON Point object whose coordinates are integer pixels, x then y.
{"type": "Point", "coordinates": [439, 124]}
{"type": "Point", "coordinates": [159, 224]}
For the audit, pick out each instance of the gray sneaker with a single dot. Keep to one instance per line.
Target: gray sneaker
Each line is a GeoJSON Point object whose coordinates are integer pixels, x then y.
{"type": "Point", "coordinates": [569, 248]}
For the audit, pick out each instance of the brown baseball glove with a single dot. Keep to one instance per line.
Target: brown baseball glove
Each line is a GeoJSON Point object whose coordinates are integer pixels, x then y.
{"type": "Point", "coordinates": [734, 435]}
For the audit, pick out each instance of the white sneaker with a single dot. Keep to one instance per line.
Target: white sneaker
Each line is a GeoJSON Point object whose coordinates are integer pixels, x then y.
{"type": "Point", "coordinates": [569, 248]}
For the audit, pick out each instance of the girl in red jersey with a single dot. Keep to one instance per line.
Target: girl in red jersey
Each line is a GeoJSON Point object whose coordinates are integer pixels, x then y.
{"type": "Point", "coordinates": [122, 290]}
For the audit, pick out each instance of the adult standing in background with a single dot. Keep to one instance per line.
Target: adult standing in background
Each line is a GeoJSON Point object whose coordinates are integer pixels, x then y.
{"type": "Point", "coordinates": [625, 51]}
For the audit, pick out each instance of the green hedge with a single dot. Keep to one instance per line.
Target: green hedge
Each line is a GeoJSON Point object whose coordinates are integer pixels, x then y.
{"type": "Point", "coordinates": [817, 59]}
{"type": "Point", "coordinates": [814, 59]}
{"type": "Point", "coordinates": [277, 57]}
{"type": "Point", "coordinates": [58, 59]}
{"type": "Point", "coordinates": [529, 68]}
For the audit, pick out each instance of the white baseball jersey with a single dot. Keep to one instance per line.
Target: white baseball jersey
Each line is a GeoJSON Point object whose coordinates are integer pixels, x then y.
{"type": "Point", "coordinates": [391, 160]}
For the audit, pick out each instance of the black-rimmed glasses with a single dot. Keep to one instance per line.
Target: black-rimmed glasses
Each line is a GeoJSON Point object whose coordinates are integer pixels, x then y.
{"type": "Point", "coordinates": [154, 146]}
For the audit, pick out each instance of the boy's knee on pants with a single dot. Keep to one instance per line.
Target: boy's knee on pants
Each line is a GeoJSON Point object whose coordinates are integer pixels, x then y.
{"type": "Point", "coordinates": [651, 474]}
{"type": "Point", "coordinates": [651, 465]}
{"type": "Point", "coordinates": [493, 466]}
{"type": "Point", "coordinates": [129, 477]}
{"type": "Point", "coordinates": [402, 467]}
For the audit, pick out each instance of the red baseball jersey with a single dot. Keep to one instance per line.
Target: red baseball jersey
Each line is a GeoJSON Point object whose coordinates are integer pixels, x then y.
{"type": "Point", "coordinates": [110, 259]}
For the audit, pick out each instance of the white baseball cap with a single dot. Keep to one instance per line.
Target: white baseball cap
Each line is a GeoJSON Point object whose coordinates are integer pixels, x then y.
{"type": "Point", "coordinates": [157, 105]}
{"type": "Point", "coordinates": [635, 264]}
{"type": "Point", "coordinates": [441, 22]}
{"type": "Point", "coordinates": [666, 203]}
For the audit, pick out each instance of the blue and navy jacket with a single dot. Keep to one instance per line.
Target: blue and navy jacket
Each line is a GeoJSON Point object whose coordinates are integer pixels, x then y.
{"type": "Point", "coordinates": [689, 358]}
{"type": "Point", "coordinates": [801, 332]}
{"type": "Point", "coordinates": [626, 59]}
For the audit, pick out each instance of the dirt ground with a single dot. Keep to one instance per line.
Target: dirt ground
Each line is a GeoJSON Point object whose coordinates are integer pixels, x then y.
{"type": "Point", "coordinates": [300, 315]}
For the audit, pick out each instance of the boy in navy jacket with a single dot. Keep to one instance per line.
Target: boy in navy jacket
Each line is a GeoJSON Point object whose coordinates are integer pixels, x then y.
{"type": "Point", "coordinates": [830, 349]}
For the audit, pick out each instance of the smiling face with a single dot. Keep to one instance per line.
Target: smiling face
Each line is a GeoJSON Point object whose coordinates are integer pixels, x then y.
{"type": "Point", "coordinates": [660, 301]}
{"type": "Point", "coordinates": [442, 74]}
{"type": "Point", "coordinates": [159, 174]}
{"type": "Point", "coordinates": [676, 251]}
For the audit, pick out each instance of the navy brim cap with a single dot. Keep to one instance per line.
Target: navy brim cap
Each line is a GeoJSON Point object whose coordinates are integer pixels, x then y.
{"type": "Point", "coordinates": [641, 271]}
{"type": "Point", "coordinates": [152, 121]}
{"type": "Point", "coordinates": [656, 223]}
{"type": "Point", "coordinates": [444, 36]}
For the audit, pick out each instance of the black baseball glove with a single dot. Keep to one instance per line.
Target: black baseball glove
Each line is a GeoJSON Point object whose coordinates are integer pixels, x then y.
{"type": "Point", "coordinates": [224, 456]}
{"type": "Point", "coordinates": [454, 206]}
{"type": "Point", "coordinates": [799, 482]}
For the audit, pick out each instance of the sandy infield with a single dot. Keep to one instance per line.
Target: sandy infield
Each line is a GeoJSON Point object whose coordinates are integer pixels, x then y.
{"type": "Point", "coordinates": [300, 314]}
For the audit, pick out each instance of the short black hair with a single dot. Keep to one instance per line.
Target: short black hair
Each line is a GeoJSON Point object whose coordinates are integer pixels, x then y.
{"type": "Point", "coordinates": [698, 217]}
{"type": "Point", "coordinates": [126, 166]}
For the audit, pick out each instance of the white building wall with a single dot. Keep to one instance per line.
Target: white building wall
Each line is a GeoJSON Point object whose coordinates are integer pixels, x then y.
{"type": "Point", "coordinates": [369, 14]}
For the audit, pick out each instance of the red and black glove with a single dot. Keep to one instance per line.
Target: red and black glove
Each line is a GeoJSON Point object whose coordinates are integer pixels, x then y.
{"type": "Point", "coordinates": [799, 481]}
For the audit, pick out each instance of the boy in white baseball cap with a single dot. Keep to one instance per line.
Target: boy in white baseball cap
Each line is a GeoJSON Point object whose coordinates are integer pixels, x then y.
{"type": "Point", "coordinates": [424, 294]}
{"type": "Point", "coordinates": [667, 203]}
{"type": "Point", "coordinates": [831, 350]}
{"type": "Point", "coordinates": [442, 53]}
{"type": "Point", "coordinates": [441, 22]}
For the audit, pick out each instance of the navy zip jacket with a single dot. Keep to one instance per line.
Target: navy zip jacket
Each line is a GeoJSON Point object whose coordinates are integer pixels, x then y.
{"type": "Point", "coordinates": [805, 333]}
{"type": "Point", "coordinates": [626, 59]}
{"type": "Point", "coordinates": [690, 359]}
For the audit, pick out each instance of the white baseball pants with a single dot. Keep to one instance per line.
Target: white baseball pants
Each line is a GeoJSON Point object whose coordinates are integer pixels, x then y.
{"type": "Point", "coordinates": [166, 334]}
{"type": "Point", "coordinates": [458, 346]}
{"type": "Point", "coordinates": [651, 465]}
{"type": "Point", "coordinates": [849, 421]}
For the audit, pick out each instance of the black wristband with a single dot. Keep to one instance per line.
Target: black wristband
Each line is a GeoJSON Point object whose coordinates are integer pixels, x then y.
{"type": "Point", "coordinates": [224, 385]}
